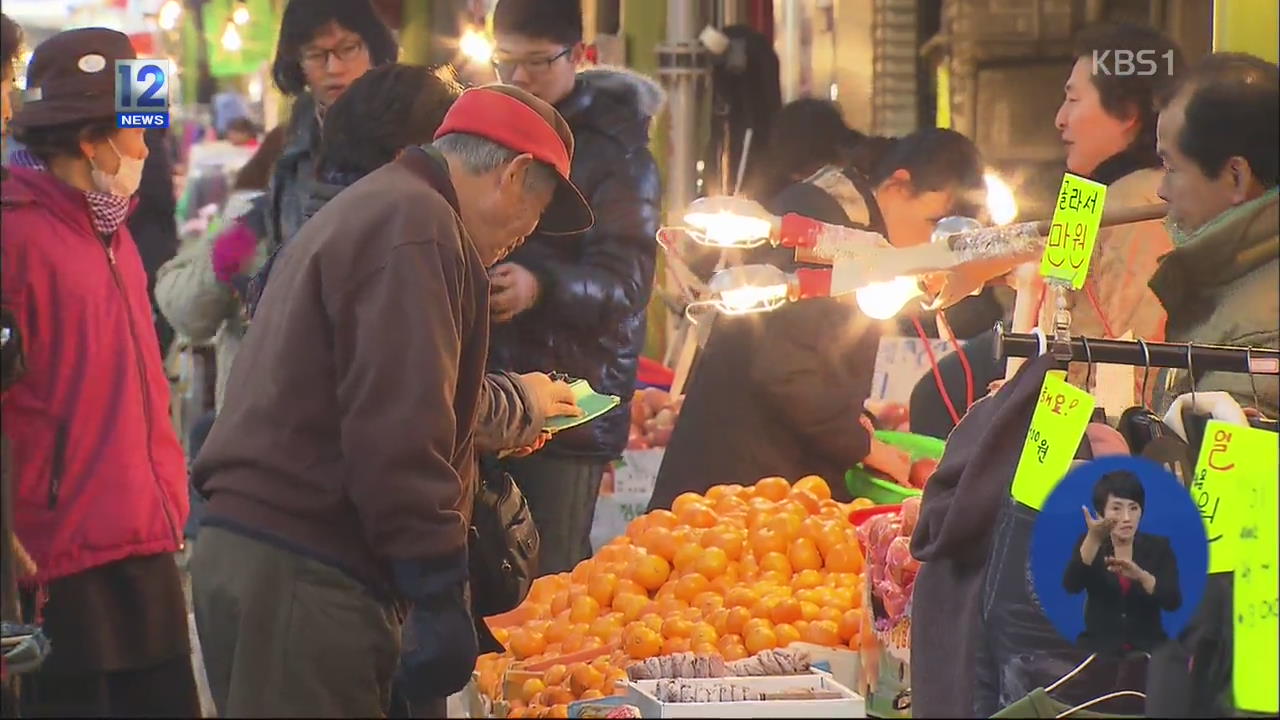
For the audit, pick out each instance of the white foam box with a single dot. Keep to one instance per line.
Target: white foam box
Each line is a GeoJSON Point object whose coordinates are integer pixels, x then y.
{"type": "Point", "coordinates": [848, 705]}
{"type": "Point", "coordinates": [844, 664]}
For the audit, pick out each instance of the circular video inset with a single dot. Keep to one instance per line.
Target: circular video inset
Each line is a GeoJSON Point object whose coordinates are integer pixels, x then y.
{"type": "Point", "coordinates": [1119, 556]}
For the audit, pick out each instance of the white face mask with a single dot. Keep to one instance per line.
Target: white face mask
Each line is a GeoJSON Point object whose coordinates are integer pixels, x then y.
{"type": "Point", "coordinates": [127, 178]}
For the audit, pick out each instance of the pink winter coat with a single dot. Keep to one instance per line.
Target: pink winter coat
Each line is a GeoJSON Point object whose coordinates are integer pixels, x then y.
{"type": "Point", "coordinates": [97, 471]}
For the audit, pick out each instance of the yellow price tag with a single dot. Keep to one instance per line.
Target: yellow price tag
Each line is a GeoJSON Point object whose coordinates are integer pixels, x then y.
{"type": "Point", "coordinates": [1256, 665]}
{"type": "Point", "coordinates": [1212, 489]}
{"type": "Point", "coordinates": [1061, 415]}
{"type": "Point", "coordinates": [1074, 230]}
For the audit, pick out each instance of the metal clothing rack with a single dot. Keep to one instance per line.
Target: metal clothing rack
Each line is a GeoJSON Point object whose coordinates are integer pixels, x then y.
{"type": "Point", "coordinates": [1138, 353]}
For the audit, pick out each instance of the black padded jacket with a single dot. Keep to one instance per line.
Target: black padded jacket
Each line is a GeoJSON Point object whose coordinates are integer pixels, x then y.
{"type": "Point", "coordinates": [589, 320]}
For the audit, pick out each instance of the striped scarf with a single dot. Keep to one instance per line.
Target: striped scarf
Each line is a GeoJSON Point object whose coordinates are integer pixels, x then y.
{"type": "Point", "coordinates": [107, 211]}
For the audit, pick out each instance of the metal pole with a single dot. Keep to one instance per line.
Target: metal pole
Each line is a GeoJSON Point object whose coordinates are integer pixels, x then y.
{"type": "Point", "coordinates": [1257, 361]}
{"type": "Point", "coordinates": [681, 64]}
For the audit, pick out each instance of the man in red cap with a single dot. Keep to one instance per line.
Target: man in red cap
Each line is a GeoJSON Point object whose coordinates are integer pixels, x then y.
{"type": "Point", "coordinates": [341, 468]}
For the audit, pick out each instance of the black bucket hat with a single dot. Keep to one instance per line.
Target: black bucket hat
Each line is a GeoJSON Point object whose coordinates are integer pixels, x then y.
{"type": "Point", "coordinates": [72, 77]}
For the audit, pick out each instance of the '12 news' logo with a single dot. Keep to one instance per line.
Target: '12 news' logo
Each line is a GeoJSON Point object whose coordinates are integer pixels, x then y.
{"type": "Point", "coordinates": [142, 93]}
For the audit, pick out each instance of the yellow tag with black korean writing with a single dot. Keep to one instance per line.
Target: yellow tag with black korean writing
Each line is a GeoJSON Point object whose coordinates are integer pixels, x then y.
{"type": "Point", "coordinates": [1074, 230]}
{"type": "Point", "coordinates": [1061, 415]}
{"type": "Point", "coordinates": [1212, 489]}
{"type": "Point", "coordinates": [1256, 587]}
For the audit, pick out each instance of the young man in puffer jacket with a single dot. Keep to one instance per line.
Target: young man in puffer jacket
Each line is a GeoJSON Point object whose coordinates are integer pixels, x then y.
{"type": "Point", "coordinates": [577, 305]}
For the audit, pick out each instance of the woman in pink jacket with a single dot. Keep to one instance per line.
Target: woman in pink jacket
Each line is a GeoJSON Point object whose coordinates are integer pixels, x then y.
{"type": "Point", "coordinates": [99, 487]}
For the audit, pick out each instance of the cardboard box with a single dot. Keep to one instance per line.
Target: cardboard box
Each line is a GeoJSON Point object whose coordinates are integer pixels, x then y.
{"type": "Point", "coordinates": [848, 705]}
{"type": "Point", "coordinates": [844, 665]}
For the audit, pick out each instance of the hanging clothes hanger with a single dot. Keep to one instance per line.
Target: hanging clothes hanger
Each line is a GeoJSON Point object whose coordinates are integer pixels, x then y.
{"type": "Point", "coordinates": [1076, 671]}
{"type": "Point", "coordinates": [1109, 696]}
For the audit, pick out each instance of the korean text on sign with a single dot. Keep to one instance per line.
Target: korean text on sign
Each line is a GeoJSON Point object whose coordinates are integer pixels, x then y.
{"type": "Point", "coordinates": [1074, 230]}
{"type": "Point", "coordinates": [1256, 587]}
{"type": "Point", "coordinates": [1061, 414]}
{"type": "Point", "coordinates": [1212, 490]}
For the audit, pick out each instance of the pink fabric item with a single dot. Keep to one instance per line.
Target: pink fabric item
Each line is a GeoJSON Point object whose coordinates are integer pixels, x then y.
{"type": "Point", "coordinates": [1105, 440]}
{"type": "Point", "coordinates": [232, 250]}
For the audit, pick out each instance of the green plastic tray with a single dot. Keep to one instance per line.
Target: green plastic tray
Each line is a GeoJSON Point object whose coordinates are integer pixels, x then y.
{"type": "Point", "coordinates": [882, 492]}
{"type": "Point", "coordinates": [592, 403]}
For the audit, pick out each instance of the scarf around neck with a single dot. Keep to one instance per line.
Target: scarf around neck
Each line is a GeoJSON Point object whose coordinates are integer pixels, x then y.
{"type": "Point", "coordinates": [107, 211]}
{"type": "Point", "coordinates": [1129, 160]}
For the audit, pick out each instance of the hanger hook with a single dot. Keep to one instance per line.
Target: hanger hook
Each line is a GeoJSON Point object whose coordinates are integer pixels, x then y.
{"type": "Point", "coordinates": [1088, 358]}
{"type": "Point", "coordinates": [1191, 371]}
{"type": "Point", "coordinates": [1146, 369]}
{"type": "Point", "coordinates": [1253, 383]}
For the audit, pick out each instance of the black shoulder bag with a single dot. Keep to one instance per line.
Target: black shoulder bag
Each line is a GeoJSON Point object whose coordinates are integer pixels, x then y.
{"type": "Point", "coordinates": [503, 543]}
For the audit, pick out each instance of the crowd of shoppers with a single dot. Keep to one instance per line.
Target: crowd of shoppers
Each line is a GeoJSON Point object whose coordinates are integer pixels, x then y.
{"type": "Point", "coordinates": [399, 270]}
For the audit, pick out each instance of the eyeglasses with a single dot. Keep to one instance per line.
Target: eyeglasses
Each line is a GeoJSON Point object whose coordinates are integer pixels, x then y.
{"type": "Point", "coordinates": [319, 58]}
{"type": "Point", "coordinates": [534, 66]}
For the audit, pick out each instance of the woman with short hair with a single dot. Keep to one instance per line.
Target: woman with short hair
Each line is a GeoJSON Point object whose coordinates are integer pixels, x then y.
{"type": "Point", "coordinates": [99, 480]}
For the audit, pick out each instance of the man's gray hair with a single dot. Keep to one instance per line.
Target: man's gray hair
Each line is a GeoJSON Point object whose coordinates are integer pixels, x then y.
{"type": "Point", "coordinates": [481, 155]}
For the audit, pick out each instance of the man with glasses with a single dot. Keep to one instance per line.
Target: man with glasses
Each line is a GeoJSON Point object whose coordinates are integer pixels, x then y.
{"type": "Point", "coordinates": [577, 304]}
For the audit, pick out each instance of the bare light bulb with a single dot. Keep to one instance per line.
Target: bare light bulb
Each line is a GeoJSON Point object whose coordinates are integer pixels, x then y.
{"type": "Point", "coordinates": [729, 221]}
{"type": "Point", "coordinates": [240, 15]}
{"type": "Point", "coordinates": [748, 289]}
{"type": "Point", "coordinates": [1001, 204]}
{"type": "Point", "coordinates": [475, 46]}
{"type": "Point", "coordinates": [883, 300]}
{"type": "Point", "coordinates": [231, 40]}
{"type": "Point", "coordinates": [167, 16]}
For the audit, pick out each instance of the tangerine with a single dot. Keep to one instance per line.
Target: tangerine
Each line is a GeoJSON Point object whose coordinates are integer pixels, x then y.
{"type": "Point", "coordinates": [726, 539]}
{"type": "Point", "coordinates": [650, 572]}
{"type": "Point", "coordinates": [807, 578]}
{"type": "Point", "coordinates": [584, 609]}
{"type": "Point", "coordinates": [772, 488]}
{"type": "Point", "coordinates": [740, 597]}
{"type": "Point", "coordinates": [532, 688]}
{"type": "Point", "coordinates": [698, 516]}
{"type": "Point", "coordinates": [704, 633]}
{"type": "Point", "coordinates": [677, 627]}
{"type": "Point", "coordinates": [630, 606]}
{"type": "Point", "coordinates": [663, 518]}
{"type": "Point", "coordinates": [708, 602]}
{"type": "Point", "coordinates": [653, 621]}
{"type": "Point", "coordinates": [786, 633]}
{"type": "Point", "coordinates": [673, 645]}
{"type": "Point", "coordinates": [804, 555]}
{"type": "Point", "coordinates": [712, 562]}
{"type": "Point", "coordinates": [843, 558]}
{"type": "Point", "coordinates": [765, 540]}
{"type": "Point", "coordinates": [760, 638]}
{"type": "Point", "coordinates": [601, 586]}
{"type": "Point", "coordinates": [525, 643]}
{"type": "Point", "coordinates": [823, 632]}
{"type": "Point", "coordinates": [555, 675]}
{"type": "Point", "coordinates": [815, 485]}
{"type": "Point", "coordinates": [809, 610]}
{"type": "Point", "coordinates": [786, 611]}
{"type": "Point", "coordinates": [776, 562]}
{"type": "Point", "coordinates": [685, 500]}
{"type": "Point", "coordinates": [686, 557]}
{"type": "Point", "coordinates": [559, 710]}
{"type": "Point", "coordinates": [690, 586]}
{"type": "Point", "coordinates": [659, 541]}
{"type": "Point", "coordinates": [850, 624]}
{"type": "Point", "coordinates": [584, 678]}
{"type": "Point", "coordinates": [640, 641]}
{"type": "Point", "coordinates": [805, 499]}
{"type": "Point", "coordinates": [560, 603]}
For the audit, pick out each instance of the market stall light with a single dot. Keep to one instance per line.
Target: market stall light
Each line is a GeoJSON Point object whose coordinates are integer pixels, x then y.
{"type": "Point", "coordinates": [231, 40]}
{"type": "Point", "coordinates": [729, 221]}
{"type": "Point", "coordinates": [240, 15]}
{"type": "Point", "coordinates": [476, 46]}
{"type": "Point", "coordinates": [168, 15]}
{"type": "Point", "coordinates": [1001, 204]}
{"type": "Point", "coordinates": [884, 300]}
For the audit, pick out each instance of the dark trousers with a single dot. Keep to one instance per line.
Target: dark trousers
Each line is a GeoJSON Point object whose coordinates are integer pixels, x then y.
{"type": "Point", "coordinates": [199, 432]}
{"type": "Point", "coordinates": [284, 635]}
{"type": "Point", "coordinates": [561, 492]}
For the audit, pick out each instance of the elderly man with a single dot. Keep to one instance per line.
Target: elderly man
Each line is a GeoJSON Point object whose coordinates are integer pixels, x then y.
{"type": "Point", "coordinates": [1217, 138]}
{"type": "Point", "coordinates": [341, 469]}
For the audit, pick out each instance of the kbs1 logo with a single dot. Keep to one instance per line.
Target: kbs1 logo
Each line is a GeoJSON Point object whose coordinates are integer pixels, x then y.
{"type": "Point", "coordinates": [142, 93]}
{"type": "Point", "coordinates": [1127, 63]}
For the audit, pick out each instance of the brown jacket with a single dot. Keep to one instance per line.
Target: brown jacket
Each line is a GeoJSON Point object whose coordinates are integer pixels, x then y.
{"type": "Point", "coordinates": [1223, 288]}
{"type": "Point", "coordinates": [347, 429]}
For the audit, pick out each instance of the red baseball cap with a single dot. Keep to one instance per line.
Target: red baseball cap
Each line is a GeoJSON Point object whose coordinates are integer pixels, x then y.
{"type": "Point", "coordinates": [519, 121]}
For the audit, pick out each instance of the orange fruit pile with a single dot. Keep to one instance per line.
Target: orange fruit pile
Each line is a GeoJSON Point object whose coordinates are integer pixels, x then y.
{"type": "Point", "coordinates": [732, 572]}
